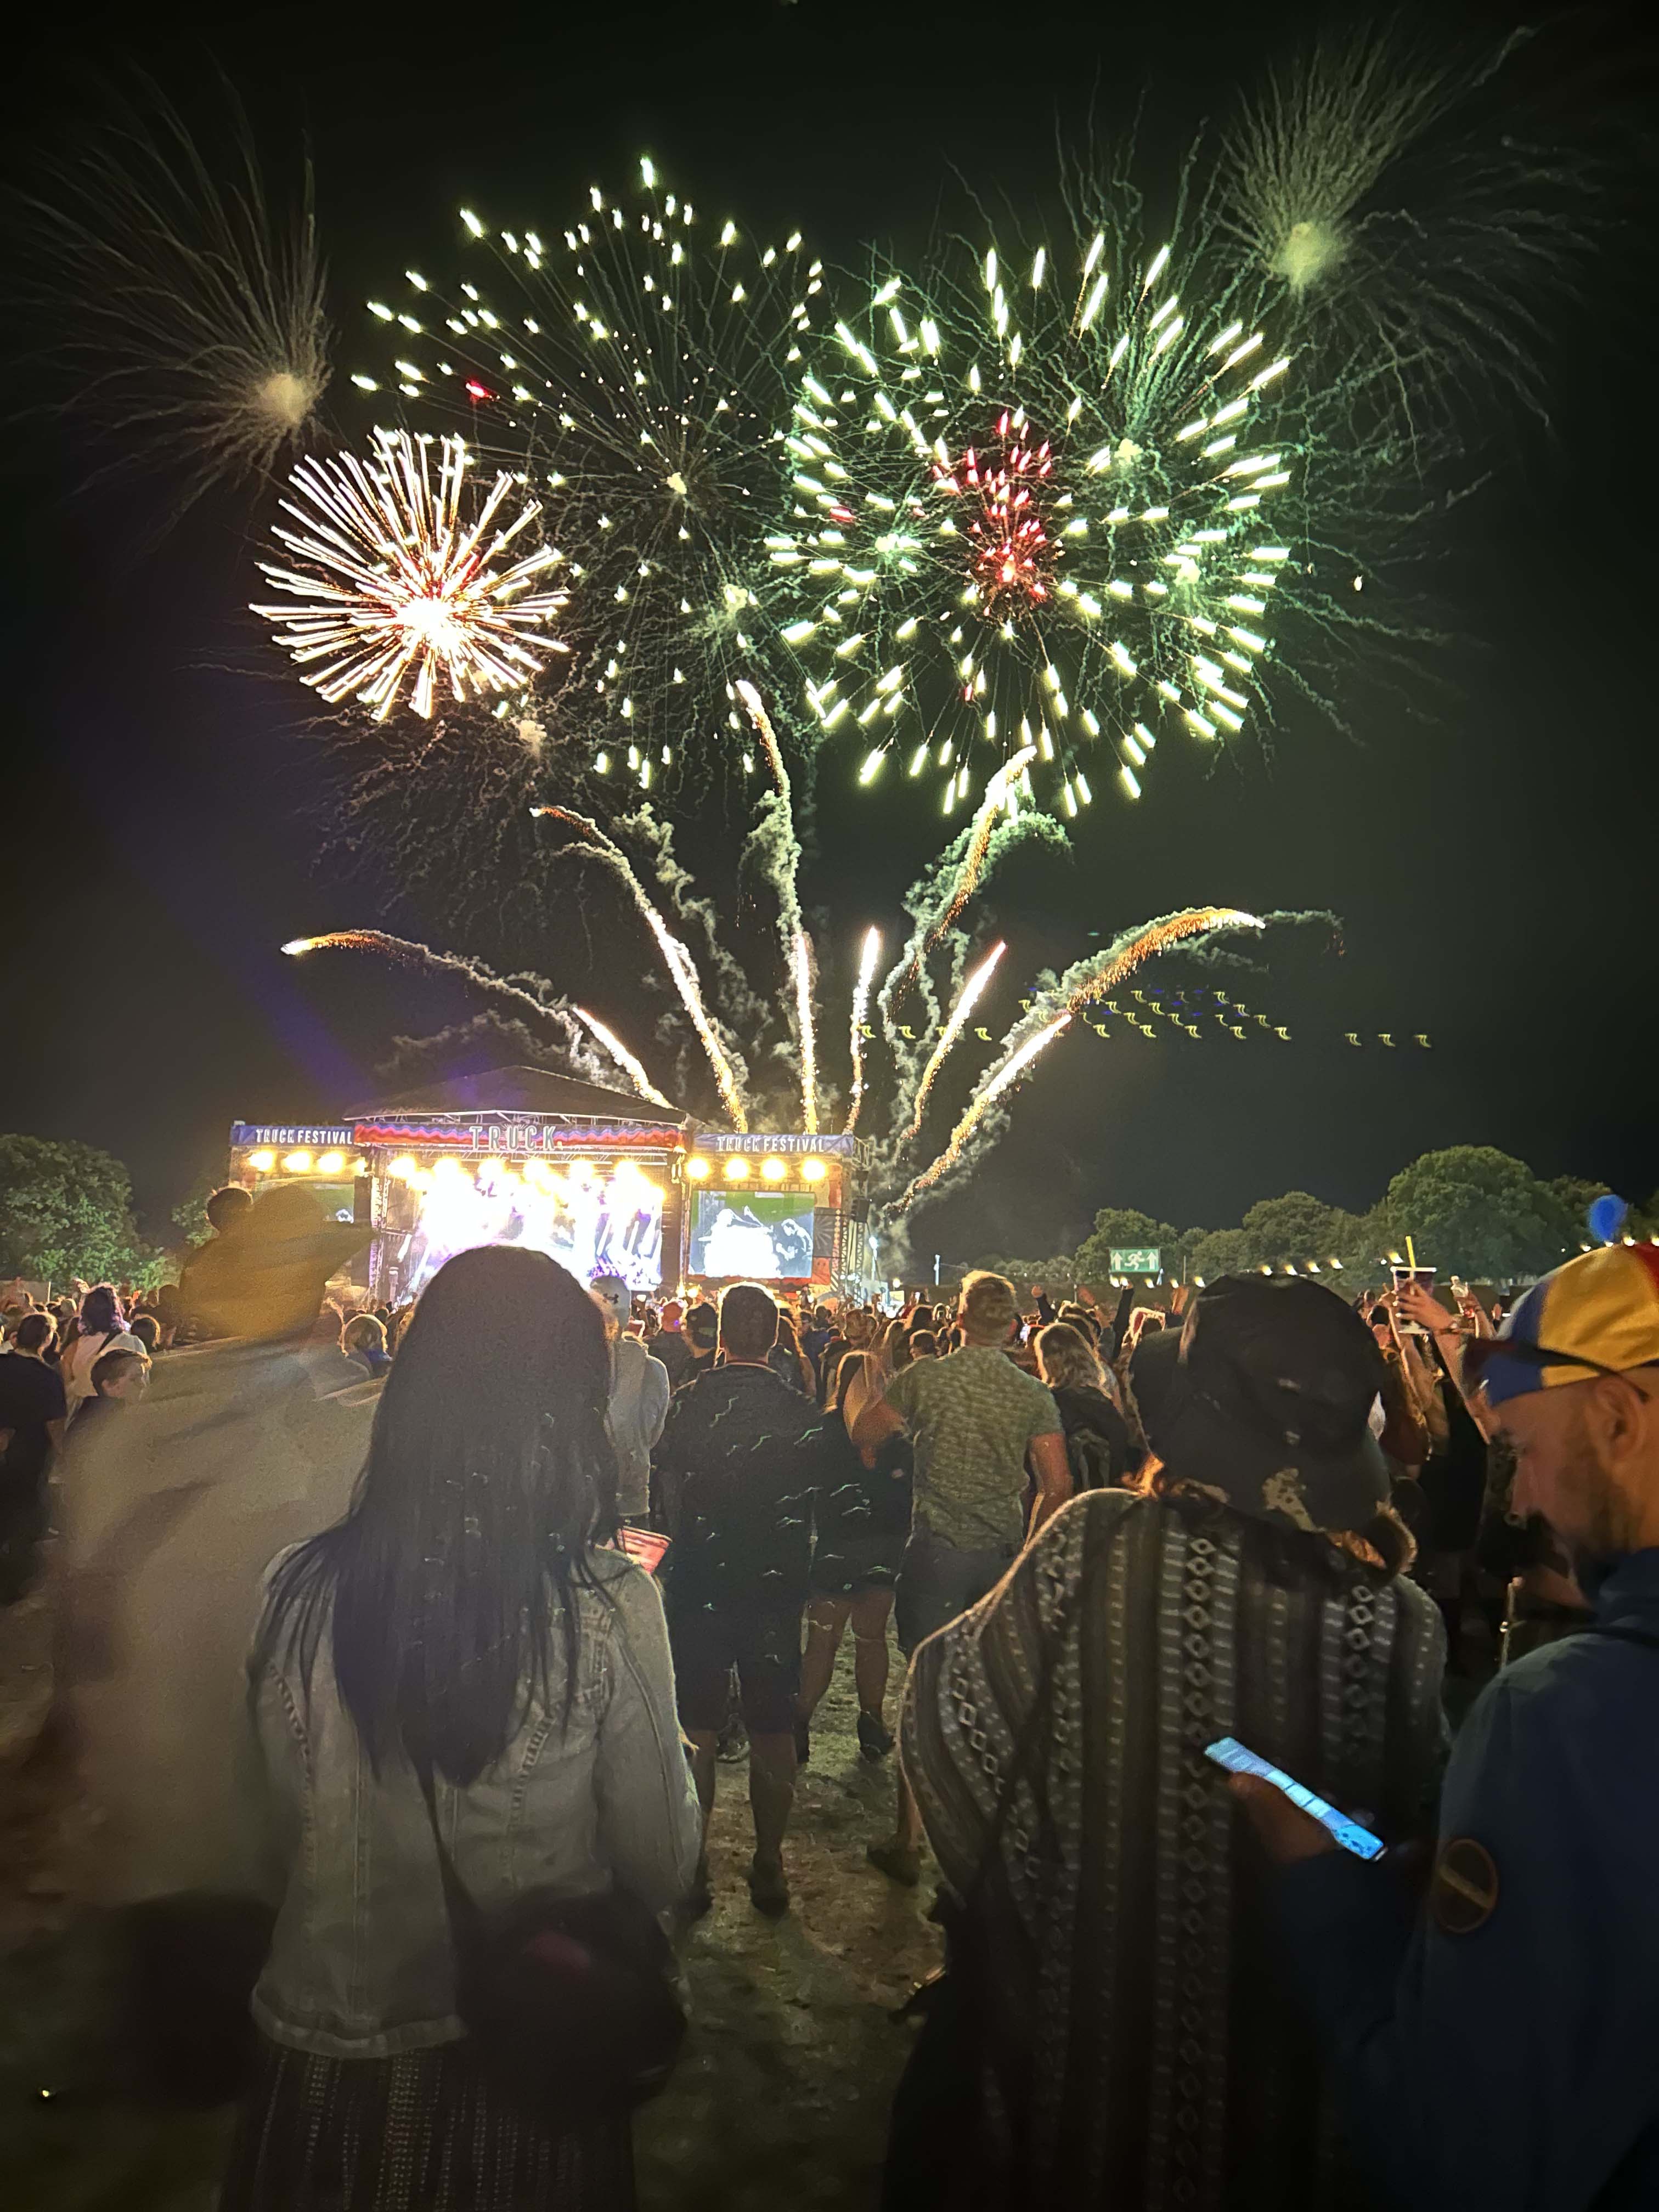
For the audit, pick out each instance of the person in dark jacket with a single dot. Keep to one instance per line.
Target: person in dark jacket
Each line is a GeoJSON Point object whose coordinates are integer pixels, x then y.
{"type": "Point", "coordinates": [1541, 1917]}
{"type": "Point", "coordinates": [734, 1488]}
{"type": "Point", "coordinates": [1098, 1441]}
{"type": "Point", "coordinates": [861, 1521]}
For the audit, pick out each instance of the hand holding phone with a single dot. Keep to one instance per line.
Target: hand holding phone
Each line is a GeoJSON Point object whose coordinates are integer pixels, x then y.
{"type": "Point", "coordinates": [1412, 1301]}
{"type": "Point", "coordinates": [1228, 1751]}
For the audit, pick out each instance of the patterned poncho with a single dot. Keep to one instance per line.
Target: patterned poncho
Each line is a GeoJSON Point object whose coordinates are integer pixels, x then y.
{"type": "Point", "coordinates": [1142, 2047]}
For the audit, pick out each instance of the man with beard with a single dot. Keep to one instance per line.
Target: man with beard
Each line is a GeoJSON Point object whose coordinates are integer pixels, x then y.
{"type": "Point", "coordinates": [1502, 2045]}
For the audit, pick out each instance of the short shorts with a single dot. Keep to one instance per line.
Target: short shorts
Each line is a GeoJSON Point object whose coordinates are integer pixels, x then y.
{"type": "Point", "coordinates": [762, 1642]}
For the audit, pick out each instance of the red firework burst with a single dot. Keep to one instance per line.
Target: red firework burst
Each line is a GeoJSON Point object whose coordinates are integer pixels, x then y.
{"type": "Point", "coordinates": [1013, 552]}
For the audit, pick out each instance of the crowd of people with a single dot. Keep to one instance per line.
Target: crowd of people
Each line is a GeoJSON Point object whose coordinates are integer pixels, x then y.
{"type": "Point", "coordinates": [402, 1650]}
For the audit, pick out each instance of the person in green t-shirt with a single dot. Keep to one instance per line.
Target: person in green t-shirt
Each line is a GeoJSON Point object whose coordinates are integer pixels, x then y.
{"type": "Point", "coordinates": [977, 1421]}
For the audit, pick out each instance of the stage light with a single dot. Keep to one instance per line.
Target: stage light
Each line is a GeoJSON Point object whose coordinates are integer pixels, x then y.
{"type": "Point", "coordinates": [262, 1163]}
{"type": "Point", "coordinates": [332, 1164]}
{"type": "Point", "coordinates": [772, 1170]}
{"type": "Point", "coordinates": [814, 1170]}
{"type": "Point", "coordinates": [737, 1170]}
{"type": "Point", "coordinates": [297, 1163]}
{"type": "Point", "coordinates": [360, 1167]}
{"type": "Point", "coordinates": [697, 1170]}
{"type": "Point", "coordinates": [404, 1167]}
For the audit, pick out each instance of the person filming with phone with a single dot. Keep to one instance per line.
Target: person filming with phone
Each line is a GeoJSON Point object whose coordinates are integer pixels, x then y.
{"type": "Point", "coordinates": [1501, 2046]}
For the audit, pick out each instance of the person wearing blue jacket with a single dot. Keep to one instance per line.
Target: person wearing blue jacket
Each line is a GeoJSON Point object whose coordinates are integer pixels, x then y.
{"type": "Point", "coordinates": [1499, 2045]}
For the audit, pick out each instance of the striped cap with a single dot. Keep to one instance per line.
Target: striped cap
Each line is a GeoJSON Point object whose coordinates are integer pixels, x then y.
{"type": "Point", "coordinates": [1597, 1315]}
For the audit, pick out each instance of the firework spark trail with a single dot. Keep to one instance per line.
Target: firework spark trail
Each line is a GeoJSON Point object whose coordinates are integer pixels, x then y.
{"type": "Point", "coordinates": [870, 956]}
{"type": "Point", "coordinates": [1006, 1075]}
{"type": "Point", "coordinates": [393, 583]}
{"type": "Point", "coordinates": [998, 796]}
{"type": "Point", "coordinates": [778, 847]}
{"type": "Point", "coordinates": [624, 1059]}
{"type": "Point", "coordinates": [408, 954]}
{"type": "Point", "coordinates": [1096, 977]}
{"type": "Point", "coordinates": [676, 959]}
{"type": "Point", "coordinates": [938, 896]}
{"type": "Point", "coordinates": [801, 961]}
{"type": "Point", "coordinates": [741, 1007]}
{"type": "Point", "coordinates": [969, 996]}
{"type": "Point", "coordinates": [1054, 1008]}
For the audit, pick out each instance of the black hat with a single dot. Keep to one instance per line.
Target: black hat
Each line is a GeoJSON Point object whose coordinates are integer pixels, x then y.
{"type": "Point", "coordinates": [1271, 1407]}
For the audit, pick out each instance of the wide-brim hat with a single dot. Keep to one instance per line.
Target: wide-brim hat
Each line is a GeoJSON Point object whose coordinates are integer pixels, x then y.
{"type": "Point", "coordinates": [1270, 1405]}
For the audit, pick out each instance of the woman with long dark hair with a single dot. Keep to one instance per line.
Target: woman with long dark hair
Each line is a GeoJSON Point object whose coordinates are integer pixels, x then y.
{"type": "Point", "coordinates": [466, 1608]}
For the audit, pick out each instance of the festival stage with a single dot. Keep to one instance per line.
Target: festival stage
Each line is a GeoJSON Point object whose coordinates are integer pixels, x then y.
{"type": "Point", "coordinates": [602, 1180]}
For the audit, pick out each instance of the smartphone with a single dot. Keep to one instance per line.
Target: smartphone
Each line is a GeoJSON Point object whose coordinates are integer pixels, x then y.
{"type": "Point", "coordinates": [1228, 1751]}
{"type": "Point", "coordinates": [644, 1546]}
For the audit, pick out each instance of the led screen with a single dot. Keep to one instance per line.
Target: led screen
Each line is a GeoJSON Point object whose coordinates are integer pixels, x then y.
{"type": "Point", "coordinates": [764, 1235]}
{"type": "Point", "coordinates": [592, 1217]}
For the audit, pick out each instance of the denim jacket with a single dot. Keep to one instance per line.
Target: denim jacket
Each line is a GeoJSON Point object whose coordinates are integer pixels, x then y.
{"type": "Point", "coordinates": [361, 1963]}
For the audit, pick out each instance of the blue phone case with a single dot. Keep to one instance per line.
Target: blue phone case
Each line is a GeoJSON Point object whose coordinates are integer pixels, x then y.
{"type": "Point", "coordinates": [1227, 1751]}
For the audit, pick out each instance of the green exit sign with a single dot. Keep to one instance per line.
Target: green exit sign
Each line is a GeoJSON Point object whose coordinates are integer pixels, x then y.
{"type": "Point", "coordinates": [1134, 1259]}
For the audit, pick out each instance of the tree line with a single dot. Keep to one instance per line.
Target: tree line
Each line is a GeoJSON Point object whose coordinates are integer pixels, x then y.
{"type": "Point", "coordinates": [1469, 1210]}
{"type": "Point", "coordinates": [66, 1211]}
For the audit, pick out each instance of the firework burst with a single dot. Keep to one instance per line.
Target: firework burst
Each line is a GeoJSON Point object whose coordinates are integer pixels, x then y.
{"type": "Point", "coordinates": [398, 592]}
{"type": "Point", "coordinates": [183, 316]}
{"type": "Point", "coordinates": [636, 364]}
{"type": "Point", "coordinates": [1033, 508]}
{"type": "Point", "coordinates": [1413, 215]}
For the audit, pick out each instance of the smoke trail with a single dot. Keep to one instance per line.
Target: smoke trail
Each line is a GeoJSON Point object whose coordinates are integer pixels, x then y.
{"type": "Point", "coordinates": [861, 1007]}
{"type": "Point", "coordinates": [676, 959]}
{"type": "Point", "coordinates": [802, 961]}
{"type": "Point", "coordinates": [969, 996]}
{"type": "Point", "coordinates": [961, 867]}
{"type": "Point", "coordinates": [1092, 979]}
{"type": "Point", "coordinates": [1052, 1008]}
{"type": "Point", "coordinates": [619, 1052]}
{"type": "Point", "coordinates": [525, 991]}
{"type": "Point", "coordinates": [742, 1007]}
{"type": "Point", "coordinates": [1008, 1074]}
{"type": "Point", "coordinates": [775, 842]}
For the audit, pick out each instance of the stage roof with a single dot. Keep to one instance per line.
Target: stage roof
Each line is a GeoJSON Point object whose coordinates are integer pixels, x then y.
{"type": "Point", "coordinates": [520, 1090]}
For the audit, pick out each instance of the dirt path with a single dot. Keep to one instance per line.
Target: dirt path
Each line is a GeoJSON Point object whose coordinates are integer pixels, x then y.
{"type": "Point", "coordinates": [782, 2096]}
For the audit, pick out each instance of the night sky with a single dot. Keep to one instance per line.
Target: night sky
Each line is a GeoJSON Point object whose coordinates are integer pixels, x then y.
{"type": "Point", "coordinates": [169, 821]}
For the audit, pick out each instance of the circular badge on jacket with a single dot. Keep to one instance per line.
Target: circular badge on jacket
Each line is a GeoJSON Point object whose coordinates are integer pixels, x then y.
{"type": "Point", "coordinates": [1463, 1895]}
